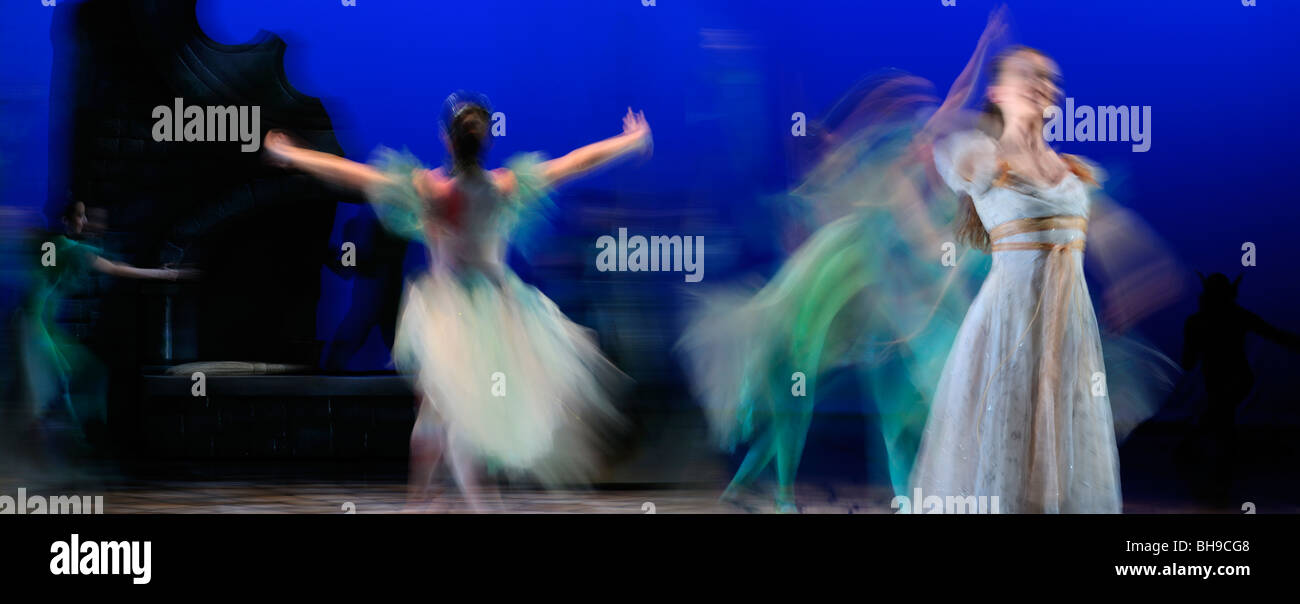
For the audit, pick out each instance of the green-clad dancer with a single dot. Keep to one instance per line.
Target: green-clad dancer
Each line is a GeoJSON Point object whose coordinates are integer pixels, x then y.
{"type": "Point", "coordinates": [62, 382]}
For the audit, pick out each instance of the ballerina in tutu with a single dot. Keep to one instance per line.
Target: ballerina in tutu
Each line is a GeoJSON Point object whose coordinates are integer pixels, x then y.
{"type": "Point", "coordinates": [504, 379]}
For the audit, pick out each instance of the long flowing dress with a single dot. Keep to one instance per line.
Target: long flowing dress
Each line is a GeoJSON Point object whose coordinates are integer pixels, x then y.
{"type": "Point", "coordinates": [1021, 411]}
{"type": "Point", "coordinates": [505, 373]}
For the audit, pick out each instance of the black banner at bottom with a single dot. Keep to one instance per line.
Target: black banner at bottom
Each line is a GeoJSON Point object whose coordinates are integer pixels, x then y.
{"type": "Point", "coordinates": [182, 554]}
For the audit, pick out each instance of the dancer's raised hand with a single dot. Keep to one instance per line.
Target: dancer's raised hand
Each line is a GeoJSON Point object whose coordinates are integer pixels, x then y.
{"type": "Point", "coordinates": [635, 125]}
{"type": "Point", "coordinates": [635, 138]}
{"type": "Point", "coordinates": [996, 27]}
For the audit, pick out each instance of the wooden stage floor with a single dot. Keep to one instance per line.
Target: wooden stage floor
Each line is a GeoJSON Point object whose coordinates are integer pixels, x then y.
{"type": "Point", "coordinates": [390, 497]}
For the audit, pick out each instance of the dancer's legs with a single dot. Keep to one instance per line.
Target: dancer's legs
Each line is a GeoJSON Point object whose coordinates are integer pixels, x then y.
{"type": "Point", "coordinates": [756, 460]}
{"type": "Point", "coordinates": [427, 445]}
{"type": "Point", "coordinates": [468, 472]}
{"type": "Point", "coordinates": [47, 413]}
{"type": "Point", "coordinates": [783, 440]}
{"type": "Point", "coordinates": [1221, 426]}
{"type": "Point", "coordinates": [791, 433]}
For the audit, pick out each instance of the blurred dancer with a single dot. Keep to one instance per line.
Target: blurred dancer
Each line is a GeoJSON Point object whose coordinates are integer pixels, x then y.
{"type": "Point", "coordinates": [866, 289]}
{"type": "Point", "coordinates": [504, 378]}
{"type": "Point", "coordinates": [63, 381]}
{"type": "Point", "coordinates": [884, 287]}
{"type": "Point", "coordinates": [1022, 410]}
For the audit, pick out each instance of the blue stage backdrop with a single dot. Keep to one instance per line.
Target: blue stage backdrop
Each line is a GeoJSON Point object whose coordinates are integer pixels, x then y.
{"type": "Point", "coordinates": [719, 81]}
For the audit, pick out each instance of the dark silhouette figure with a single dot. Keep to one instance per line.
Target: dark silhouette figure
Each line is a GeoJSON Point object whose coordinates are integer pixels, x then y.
{"type": "Point", "coordinates": [1215, 338]}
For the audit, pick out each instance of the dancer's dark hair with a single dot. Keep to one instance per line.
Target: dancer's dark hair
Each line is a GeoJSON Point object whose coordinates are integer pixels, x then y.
{"type": "Point", "coordinates": [466, 117]}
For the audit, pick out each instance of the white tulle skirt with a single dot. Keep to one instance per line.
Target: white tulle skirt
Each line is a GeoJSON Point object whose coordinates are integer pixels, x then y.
{"type": "Point", "coordinates": [508, 374]}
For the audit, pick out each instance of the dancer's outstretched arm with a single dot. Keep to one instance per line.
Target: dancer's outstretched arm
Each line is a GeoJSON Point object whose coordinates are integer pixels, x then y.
{"type": "Point", "coordinates": [635, 137]}
{"type": "Point", "coordinates": [326, 166]}
{"type": "Point", "coordinates": [1278, 336]}
{"type": "Point", "coordinates": [126, 271]}
{"type": "Point", "coordinates": [964, 85]}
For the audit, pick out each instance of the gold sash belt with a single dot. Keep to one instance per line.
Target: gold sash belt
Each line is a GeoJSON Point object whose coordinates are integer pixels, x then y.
{"type": "Point", "coordinates": [1030, 225]}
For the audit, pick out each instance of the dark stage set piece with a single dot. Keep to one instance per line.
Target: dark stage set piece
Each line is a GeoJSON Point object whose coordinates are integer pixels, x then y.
{"type": "Point", "coordinates": [260, 234]}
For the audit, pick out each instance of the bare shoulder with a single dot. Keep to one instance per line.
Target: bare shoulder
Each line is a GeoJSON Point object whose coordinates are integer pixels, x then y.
{"type": "Point", "coordinates": [431, 184]}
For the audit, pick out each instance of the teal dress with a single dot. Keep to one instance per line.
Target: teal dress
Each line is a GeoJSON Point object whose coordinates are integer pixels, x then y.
{"type": "Point", "coordinates": [63, 382]}
{"type": "Point", "coordinates": [864, 292]}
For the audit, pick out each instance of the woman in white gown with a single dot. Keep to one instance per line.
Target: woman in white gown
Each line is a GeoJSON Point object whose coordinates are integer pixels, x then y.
{"type": "Point", "coordinates": [1021, 411]}
{"type": "Point", "coordinates": [506, 382]}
